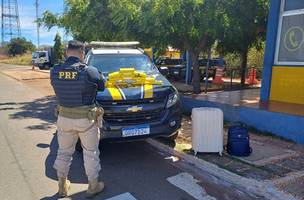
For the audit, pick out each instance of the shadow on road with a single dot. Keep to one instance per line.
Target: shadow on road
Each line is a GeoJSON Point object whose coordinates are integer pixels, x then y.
{"type": "Point", "coordinates": [76, 196]}
{"type": "Point", "coordinates": [42, 108]}
{"type": "Point", "coordinates": [77, 172]}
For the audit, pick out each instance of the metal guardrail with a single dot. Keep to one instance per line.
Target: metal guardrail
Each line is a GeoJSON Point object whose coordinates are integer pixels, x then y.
{"type": "Point", "coordinates": [231, 77]}
{"type": "Point", "coordinates": [236, 73]}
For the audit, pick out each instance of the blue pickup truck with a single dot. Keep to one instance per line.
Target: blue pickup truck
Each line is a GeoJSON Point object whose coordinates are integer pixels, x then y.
{"type": "Point", "coordinates": [139, 102]}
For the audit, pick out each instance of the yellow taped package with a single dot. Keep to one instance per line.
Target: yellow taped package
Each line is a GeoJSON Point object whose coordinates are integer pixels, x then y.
{"type": "Point", "coordinates": [129, 77]}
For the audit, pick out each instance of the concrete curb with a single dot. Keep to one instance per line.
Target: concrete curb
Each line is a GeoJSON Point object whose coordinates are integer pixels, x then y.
{"type": "Point", "coordinates": [289, 178]}
{"type": "Point", "coordinates": [266, 189]}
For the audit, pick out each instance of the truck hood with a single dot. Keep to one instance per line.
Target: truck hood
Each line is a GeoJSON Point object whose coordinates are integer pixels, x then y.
{"type": "Point", "coordinates": [137, 92]}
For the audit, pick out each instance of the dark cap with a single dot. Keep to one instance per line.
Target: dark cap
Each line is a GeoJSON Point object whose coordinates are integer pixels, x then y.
{"type": "Point", "coordinates": [75, 45]}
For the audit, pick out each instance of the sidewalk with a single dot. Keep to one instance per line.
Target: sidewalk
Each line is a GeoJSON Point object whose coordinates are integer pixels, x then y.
{"type": "Point", "coordinates": [278, 161]}
{"type": "Point", "coordinates": [24, 73]}
{"type": "Point", "coordinates": [38, 79]}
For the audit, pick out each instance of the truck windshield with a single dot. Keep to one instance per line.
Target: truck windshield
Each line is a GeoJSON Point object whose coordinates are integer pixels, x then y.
{"type": "Point", "coordinates": [35, 55]}
{"type": "Point", "coordinates": [112, 63]}
{"type": "Point", "coordinates": [42, 54]}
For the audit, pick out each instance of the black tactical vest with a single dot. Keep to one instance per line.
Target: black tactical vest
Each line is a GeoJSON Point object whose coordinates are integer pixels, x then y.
{"type": "Point", "coordinates": [71, 85]}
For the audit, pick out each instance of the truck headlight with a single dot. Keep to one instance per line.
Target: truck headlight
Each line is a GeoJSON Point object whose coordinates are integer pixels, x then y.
{"type": "Point", "coordinates": [172, 100]}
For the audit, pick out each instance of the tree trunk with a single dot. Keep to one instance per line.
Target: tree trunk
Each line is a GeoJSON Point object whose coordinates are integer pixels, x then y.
{"type": "Point", "coordinates": [196, 73]}
{"type": "Point", "coordinates": [244, 67]}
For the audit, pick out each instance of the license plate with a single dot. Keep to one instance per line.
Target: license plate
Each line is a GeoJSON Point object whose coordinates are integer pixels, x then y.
{"type": "Point", "coordinates": [136, 131]}
{"type": "Point", "coordinates": [176, 72]}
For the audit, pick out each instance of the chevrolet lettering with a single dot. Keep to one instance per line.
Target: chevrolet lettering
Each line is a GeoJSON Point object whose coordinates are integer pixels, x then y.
{"type": "Point", "coordinates": [138, 101]}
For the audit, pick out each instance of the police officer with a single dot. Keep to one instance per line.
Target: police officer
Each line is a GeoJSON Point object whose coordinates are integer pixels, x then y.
{"type": "Point", "coordinates": [75, 85]}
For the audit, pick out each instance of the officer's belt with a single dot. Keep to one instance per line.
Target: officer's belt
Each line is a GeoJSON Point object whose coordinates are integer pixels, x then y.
{"type": "Point", "coordinates": [80, 112]}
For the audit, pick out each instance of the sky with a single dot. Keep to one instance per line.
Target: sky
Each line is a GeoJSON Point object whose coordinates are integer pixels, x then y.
{"type": "Point", "coordinates": [27, 13]}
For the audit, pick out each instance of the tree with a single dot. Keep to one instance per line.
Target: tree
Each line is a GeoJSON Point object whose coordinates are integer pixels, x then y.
{"type": "Point", "coordinates": [85, 20]}
{"type": "Point", "coordinates": [246, 28]}
{"type": "Point", "coordinates": [191, 25]}
{"type": "Point", "coordinates": [58, 49]}
{"type": "Point", "coordinates": [19, 46]}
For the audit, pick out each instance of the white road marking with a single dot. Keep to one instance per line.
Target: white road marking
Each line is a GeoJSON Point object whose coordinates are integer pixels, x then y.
{"type": "Point", "coordinates": [188, 183]}
{"type": "Point", "coordinates": [124, 196]}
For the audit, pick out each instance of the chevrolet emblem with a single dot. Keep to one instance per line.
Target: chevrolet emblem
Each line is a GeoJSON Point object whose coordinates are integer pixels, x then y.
{"type": "Point", "coordinates": [135, 109]}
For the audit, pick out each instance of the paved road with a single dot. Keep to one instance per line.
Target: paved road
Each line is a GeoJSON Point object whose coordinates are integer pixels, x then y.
{"type": "Point", "coordinates": [131, 171]}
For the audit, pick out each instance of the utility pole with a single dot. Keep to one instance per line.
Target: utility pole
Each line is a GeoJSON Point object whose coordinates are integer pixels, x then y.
{"type": "Point", "coordinates": [38, 25]}
{"type": "Point", "coordinates": [65, 34]}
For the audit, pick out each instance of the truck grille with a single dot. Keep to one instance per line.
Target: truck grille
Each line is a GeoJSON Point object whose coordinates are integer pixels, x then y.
{"type": "Point", "coordinates": [134, 118]}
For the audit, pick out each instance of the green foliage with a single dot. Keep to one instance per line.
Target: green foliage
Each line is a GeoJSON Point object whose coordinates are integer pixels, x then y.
{"type": "Point", "coordinates": [255, 59]}
{"type": "Point", "coordinates": [49, 19]}
{"type": "Point", "coordinates": [85, 20]}
{"type": "Point", "coordinates": [245, 28]}
{"type": "Point", "coordinates": [19, 46]}
{"type": "Point", "coordinates": [256, 56]}
{"type": "Point", "coordinates": [246, 25]}
{"type": "Point", "coordinates": [25, 59]}
{"type": "Point", "coordinates": [58, 49]}
{"type": "Point", "coordinates": [191, 25]}
{"type": "Point", "coordinates": [232, 61]}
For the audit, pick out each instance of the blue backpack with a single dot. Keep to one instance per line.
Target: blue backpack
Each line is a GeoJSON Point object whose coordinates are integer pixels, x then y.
{"type": "Point", "coordinates": [238, 141]}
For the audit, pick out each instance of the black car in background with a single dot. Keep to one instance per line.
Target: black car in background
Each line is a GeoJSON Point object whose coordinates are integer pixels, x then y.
{"type": "Point", "coordinates": [166, 65]}
{"type": "Point", "coordinates": [177, 67]}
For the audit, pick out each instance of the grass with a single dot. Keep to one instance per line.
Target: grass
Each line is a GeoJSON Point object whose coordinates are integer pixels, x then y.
{"type": "Point", "coordinates": [25, 59]}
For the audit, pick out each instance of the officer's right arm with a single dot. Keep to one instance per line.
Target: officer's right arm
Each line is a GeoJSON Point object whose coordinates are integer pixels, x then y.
{"type": "Point", "coordinates": [96, 77]}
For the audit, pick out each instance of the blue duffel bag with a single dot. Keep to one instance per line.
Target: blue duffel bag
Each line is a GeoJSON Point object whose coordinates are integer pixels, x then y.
{"type": "Point", "coordinates": [238, 143]}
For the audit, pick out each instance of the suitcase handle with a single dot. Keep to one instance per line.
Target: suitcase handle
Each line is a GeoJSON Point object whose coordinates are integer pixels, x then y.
{"type": "Point", "coordinates": [239, 124]}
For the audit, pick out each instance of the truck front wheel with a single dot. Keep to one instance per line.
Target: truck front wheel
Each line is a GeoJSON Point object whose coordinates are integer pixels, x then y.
{"type": "Point", "coordinates": [174, 136]}
{"type": "Point", "coordinates": [46, 66]}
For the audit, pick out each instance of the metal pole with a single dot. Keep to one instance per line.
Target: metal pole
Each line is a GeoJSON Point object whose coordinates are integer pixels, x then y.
{"type": "Point", "coordinates": [188, 69]}
{"type": "Point", "coordinates": [231, 77]}
{"type": "Point", "coordinates": [207, 71]}
{"type": "Point", "coordinates": [10, 19]}
{"type": "Point", "coordinates": [18, 19]}
{"type": "Point", "coordinates": [65, 10]}
{"type": "Point", "coordinates": [37, 16]}
{"type": "Point", "coordinates": [2, 22]}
